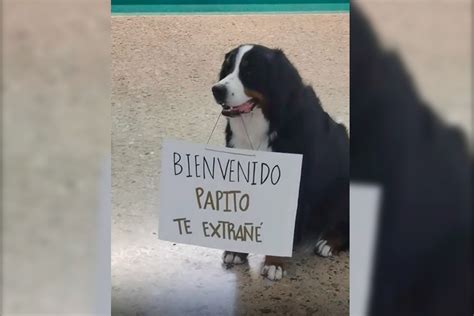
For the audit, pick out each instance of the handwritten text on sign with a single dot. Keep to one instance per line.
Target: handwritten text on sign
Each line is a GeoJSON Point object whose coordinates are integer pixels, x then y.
{"type": "Point", "coordinates": [232, 199]}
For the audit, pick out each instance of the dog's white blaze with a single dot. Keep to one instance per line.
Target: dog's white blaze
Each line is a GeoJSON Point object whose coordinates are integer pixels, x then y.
{"type": "Point", "coordinates": [249, 130]}
{"type": "Point", "coordinates": [235, 89]}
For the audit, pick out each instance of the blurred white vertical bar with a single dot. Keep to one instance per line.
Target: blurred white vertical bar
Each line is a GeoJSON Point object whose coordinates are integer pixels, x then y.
{"type": "Point", "coordinates": [103, 278]}
{"type": "Point", "coordinates": [364, 210]}
{"type": "Point", "coordinates": [56, 137]}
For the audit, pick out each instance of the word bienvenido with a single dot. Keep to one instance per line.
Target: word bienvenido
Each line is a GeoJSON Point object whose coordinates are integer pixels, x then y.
{"type": "Point", "coordinates": [230, 170]}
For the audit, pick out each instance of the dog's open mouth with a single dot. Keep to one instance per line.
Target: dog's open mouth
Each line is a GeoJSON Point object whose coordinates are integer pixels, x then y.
{"type": "Point", "coordinates": [232, 111]}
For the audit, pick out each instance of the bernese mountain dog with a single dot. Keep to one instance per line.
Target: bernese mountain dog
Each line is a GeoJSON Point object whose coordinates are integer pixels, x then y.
{"type": "Point", "coordinates": [268, 107]}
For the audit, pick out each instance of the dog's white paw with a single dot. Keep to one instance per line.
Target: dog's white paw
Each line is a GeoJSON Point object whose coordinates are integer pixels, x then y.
{"type": "Point", "coordinates": [272, 272]}
{"type": "Point", "coordinates": [230, 257]}
{"type": "Point", "coordinates": [323, 249]}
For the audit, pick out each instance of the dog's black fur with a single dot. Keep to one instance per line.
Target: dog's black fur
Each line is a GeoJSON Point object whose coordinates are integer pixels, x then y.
{"type": "Point", "coordinates": [301, 126]}
{"type": "Point", "coordinates": [423, 262]}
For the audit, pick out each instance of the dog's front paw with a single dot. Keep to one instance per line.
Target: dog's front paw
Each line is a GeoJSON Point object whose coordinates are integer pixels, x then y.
{"type": "Point", "coordinates": [323, 248]}
{"type": "Point", "coordinates": [272, 272]}
{"type": "Point", "coordinates": [273, 268]}
{"type": "Point", "coordinates": [231, 257]}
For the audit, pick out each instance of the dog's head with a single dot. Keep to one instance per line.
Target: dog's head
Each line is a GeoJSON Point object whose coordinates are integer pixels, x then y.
{"type": "Point", "coordinates": [255, 76]}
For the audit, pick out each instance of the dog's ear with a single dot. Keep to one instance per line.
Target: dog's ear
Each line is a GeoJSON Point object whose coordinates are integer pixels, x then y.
{"type": "Point", "coordinates": [284, 82]}
{"type": "Point", "coordinates": [270, 54]}
{"type": "Point", "coordinates": [285, 78]}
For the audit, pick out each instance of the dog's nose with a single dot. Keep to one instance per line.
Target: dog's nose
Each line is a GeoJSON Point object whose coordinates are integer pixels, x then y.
{"type": "Point", "coordinates": [220, 93]}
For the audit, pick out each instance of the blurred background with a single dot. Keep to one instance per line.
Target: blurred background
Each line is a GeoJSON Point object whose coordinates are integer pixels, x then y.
{"type": "Point", "coordinates": [411, 140]}
{"type": "Point", "coordinates": [55, 157]}
{"type": "Point", "coordinates": [56, 123]}
{"type": "Point", "coordinates": [434, 40]}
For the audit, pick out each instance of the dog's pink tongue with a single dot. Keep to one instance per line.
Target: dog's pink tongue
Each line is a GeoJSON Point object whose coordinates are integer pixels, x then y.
{"type": "Point", "coordinates": [244, 108]}
{"type": "Point", "coordinates": [237, 110]}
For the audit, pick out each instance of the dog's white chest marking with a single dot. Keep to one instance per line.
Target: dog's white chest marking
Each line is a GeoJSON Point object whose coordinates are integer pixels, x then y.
{"type": "Point", "coordinates": [250, 131]}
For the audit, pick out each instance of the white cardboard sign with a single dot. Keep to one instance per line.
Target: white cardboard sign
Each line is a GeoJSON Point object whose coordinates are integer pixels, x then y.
{"type": "Point", "coordinates": [230, 199]}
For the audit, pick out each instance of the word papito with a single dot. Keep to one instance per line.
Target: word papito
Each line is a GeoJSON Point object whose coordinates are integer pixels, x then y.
{"type": "Point", "coordinates": [230, 201]}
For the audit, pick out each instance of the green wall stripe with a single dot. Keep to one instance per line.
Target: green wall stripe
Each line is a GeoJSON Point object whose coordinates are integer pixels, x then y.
{"type": "Point", "coordinates": [228, 8]}
{"type": "Point", "coordinates": [199, 2]}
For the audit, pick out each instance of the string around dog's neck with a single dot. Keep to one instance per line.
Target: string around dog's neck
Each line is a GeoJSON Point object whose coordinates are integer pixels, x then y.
{"type": "Point", "coordinates": [214, 128]}
{"type": "Point", "coordinates": [248, 136]}
{"type": "Point", "coordinates": [245, 129]}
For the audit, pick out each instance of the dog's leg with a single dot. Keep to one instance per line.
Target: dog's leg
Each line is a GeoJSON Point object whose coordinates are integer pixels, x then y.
{"type": "Point", "coordinates": [333, 241]}
{"type": "Point", "coordinates": [231, 257]}
{"type": "Point", "coordinates": [274, 268]}
{"type": "Point", "coordinates": [335, 234]}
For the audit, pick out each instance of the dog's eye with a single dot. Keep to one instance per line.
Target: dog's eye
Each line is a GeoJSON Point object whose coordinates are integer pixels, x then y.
{"type": "Point", "coordinates": [226, 64]}
{"type": "Point", "coordinates": [245, 67]}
